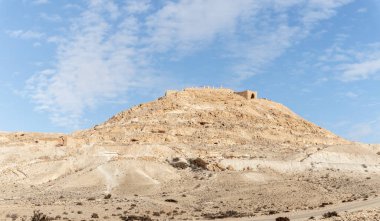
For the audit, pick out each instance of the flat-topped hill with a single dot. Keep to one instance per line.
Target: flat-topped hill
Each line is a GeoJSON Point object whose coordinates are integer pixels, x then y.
{"type": "Point", "coordinates": [209, 117]}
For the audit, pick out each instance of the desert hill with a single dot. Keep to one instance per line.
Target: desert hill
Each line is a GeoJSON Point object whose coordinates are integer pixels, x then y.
{"type": "Point", "coordinates": [209, 117]}
{"type": "Point", "coordinates": [200, 152]}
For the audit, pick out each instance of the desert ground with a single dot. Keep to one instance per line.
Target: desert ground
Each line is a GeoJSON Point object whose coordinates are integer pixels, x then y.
{"type": "Point", "coordinates": [196, 154]}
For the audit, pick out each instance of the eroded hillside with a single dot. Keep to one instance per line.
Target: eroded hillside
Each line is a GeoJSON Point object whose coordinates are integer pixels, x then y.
{"type": "Point", "coordinates": [202, 153]}
{"type": "Point", "coordinates": [212, 119]}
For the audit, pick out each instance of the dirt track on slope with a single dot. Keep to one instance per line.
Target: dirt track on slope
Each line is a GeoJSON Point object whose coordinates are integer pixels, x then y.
{"type": "Point", "coordinates": [305, 215]}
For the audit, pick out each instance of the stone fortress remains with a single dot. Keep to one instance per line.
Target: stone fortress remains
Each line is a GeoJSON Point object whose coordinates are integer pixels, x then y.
{"type": "Point", "coordinates": [248, 94]}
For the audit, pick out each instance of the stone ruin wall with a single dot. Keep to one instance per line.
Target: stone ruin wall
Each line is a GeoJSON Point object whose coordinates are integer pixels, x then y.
{"type": "Point", "coordinates": [247, 94]}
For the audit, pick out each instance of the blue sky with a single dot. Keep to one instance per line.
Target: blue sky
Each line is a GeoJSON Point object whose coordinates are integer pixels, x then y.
{"type": "Point", "coordinates": [65, 66]}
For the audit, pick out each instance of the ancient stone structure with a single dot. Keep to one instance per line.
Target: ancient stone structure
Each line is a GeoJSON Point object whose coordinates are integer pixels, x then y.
{"type": "Point", "coordinates": [248, 94]}
{"type": "Point", "coordinates": [209, 89]}
{"type": "Point", "coordinates": [203, 88]}
{"type": "Point", "coordinates": [169, 92]}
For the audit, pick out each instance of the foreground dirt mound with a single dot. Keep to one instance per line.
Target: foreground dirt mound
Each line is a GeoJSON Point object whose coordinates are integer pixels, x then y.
{"type": "Point", "coordinates": [216, 117]}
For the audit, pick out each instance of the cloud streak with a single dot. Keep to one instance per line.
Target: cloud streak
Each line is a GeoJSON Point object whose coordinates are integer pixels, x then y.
{"type": "Point", "coordinates": [352, 63]}
{"type": "Point", "coordinates": [94, 64]}
{"type": "Point", "coordinates": [186, 25]}
{"type": "Point", "coordinates": [360, 71]}
{"type": "Point", "coordinates": [24, 34]}
{"type": "Point", "coordinates": [41, 2]}
{"type": "Point", "coordinates": [364, 131]}
{"type": "Point", "coordinates": [278, 26]}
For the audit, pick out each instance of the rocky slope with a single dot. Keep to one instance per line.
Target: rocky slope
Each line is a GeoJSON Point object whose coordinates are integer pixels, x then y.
{"type": "Point", "coordinates": [209, 117]}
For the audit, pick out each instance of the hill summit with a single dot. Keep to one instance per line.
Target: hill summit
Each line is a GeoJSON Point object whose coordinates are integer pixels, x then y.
{"type": "Point", "coordinates": [209, 117]}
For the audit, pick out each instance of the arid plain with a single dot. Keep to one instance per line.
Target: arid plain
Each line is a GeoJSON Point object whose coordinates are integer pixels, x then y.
{"type": "Point", "coordinates": [196, 154]}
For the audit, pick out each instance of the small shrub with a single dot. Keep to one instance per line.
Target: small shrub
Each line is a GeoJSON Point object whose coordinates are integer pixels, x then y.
{"type": "Point", "coordinates": [134, 217]}
{"type": "Point", "coordinates": [171, 201]}
{"type": "Point", "coordinates": [282, 219]}
{"type": "Point", "coordinates": [38, 216]}
{"type": "Point", "coordinates": [323, 204]}
{"type": "Point", "coordinates": [330, 214]}
{"type": "Point", "coordinates": [12, 216]}
{"type": "Point", "coordinates": [198, 163]}
{"type": "Point", "coordinates": [95, 216]}
{"type": "Point", "coordinates": [178, 163]}
{"type": "Point", "coordinates": [222, 215]}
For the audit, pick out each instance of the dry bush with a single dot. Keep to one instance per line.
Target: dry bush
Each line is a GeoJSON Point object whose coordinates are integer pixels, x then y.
{"type": "Point", "coordinates": [38, 216]}
{"type": "Point", "coordinates": [330, 214]}
{"type": "Point", "coordinates": [282, 219]}
{"type": "Point", "coordinates": [198, 163]}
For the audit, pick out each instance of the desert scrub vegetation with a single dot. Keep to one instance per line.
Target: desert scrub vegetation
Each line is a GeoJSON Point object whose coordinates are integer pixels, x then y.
{"type": "Point", "coordinates": [330, 214]}
{"type": "Point", "coordinates": [135, 217]}
{"type": "Point", "coordinates": [12, 216]}
{"type": "Point", "coordinates": [95, 216]}
{"type": "Point", "coordinates": [38, 216]}
{"type": "Point", "coordinates": [282, 219]}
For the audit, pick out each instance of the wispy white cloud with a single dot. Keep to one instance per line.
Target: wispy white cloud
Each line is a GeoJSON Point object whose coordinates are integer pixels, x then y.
{"type": "Point", "coordinates": [185, 25]}
{"type": "Point", "coordinates": [361, 70]}
{"type": "Point", "coordinates": [51, 17]}
{"type": "Point", "coordinates": [138, 6]}
{"type": "Point", "coordinates": [275, 33]}
{"type": "Point", "coordinates": [360, 131]}
{"type": "Point", "coordinates": [24, 34]}
{"type": "Point", "coordinates": [353, 63]}
{"type": "Point", "coordinates": [263, 50]}
{"type": "Point", "coordinates": [55, 39]}
{"type": "Point", "coordinates": [71, 6]}
{"type": "Point", "coordinates": [40, 2]}
{"type": "Point", "coordinates": [94, 64]}
{"type": "Point", "coordinates": [362, 10]}
{"type": "Point", "coordinates": [36, 44]}
{"type": "Point", "coordinates": [351, 94]}
{"type": "Point", "coordinates": [254, 32]}
{"type": "Point", "coordinates": [317, 10]}
{"type": "Point", "coordinates": [364, 131]}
